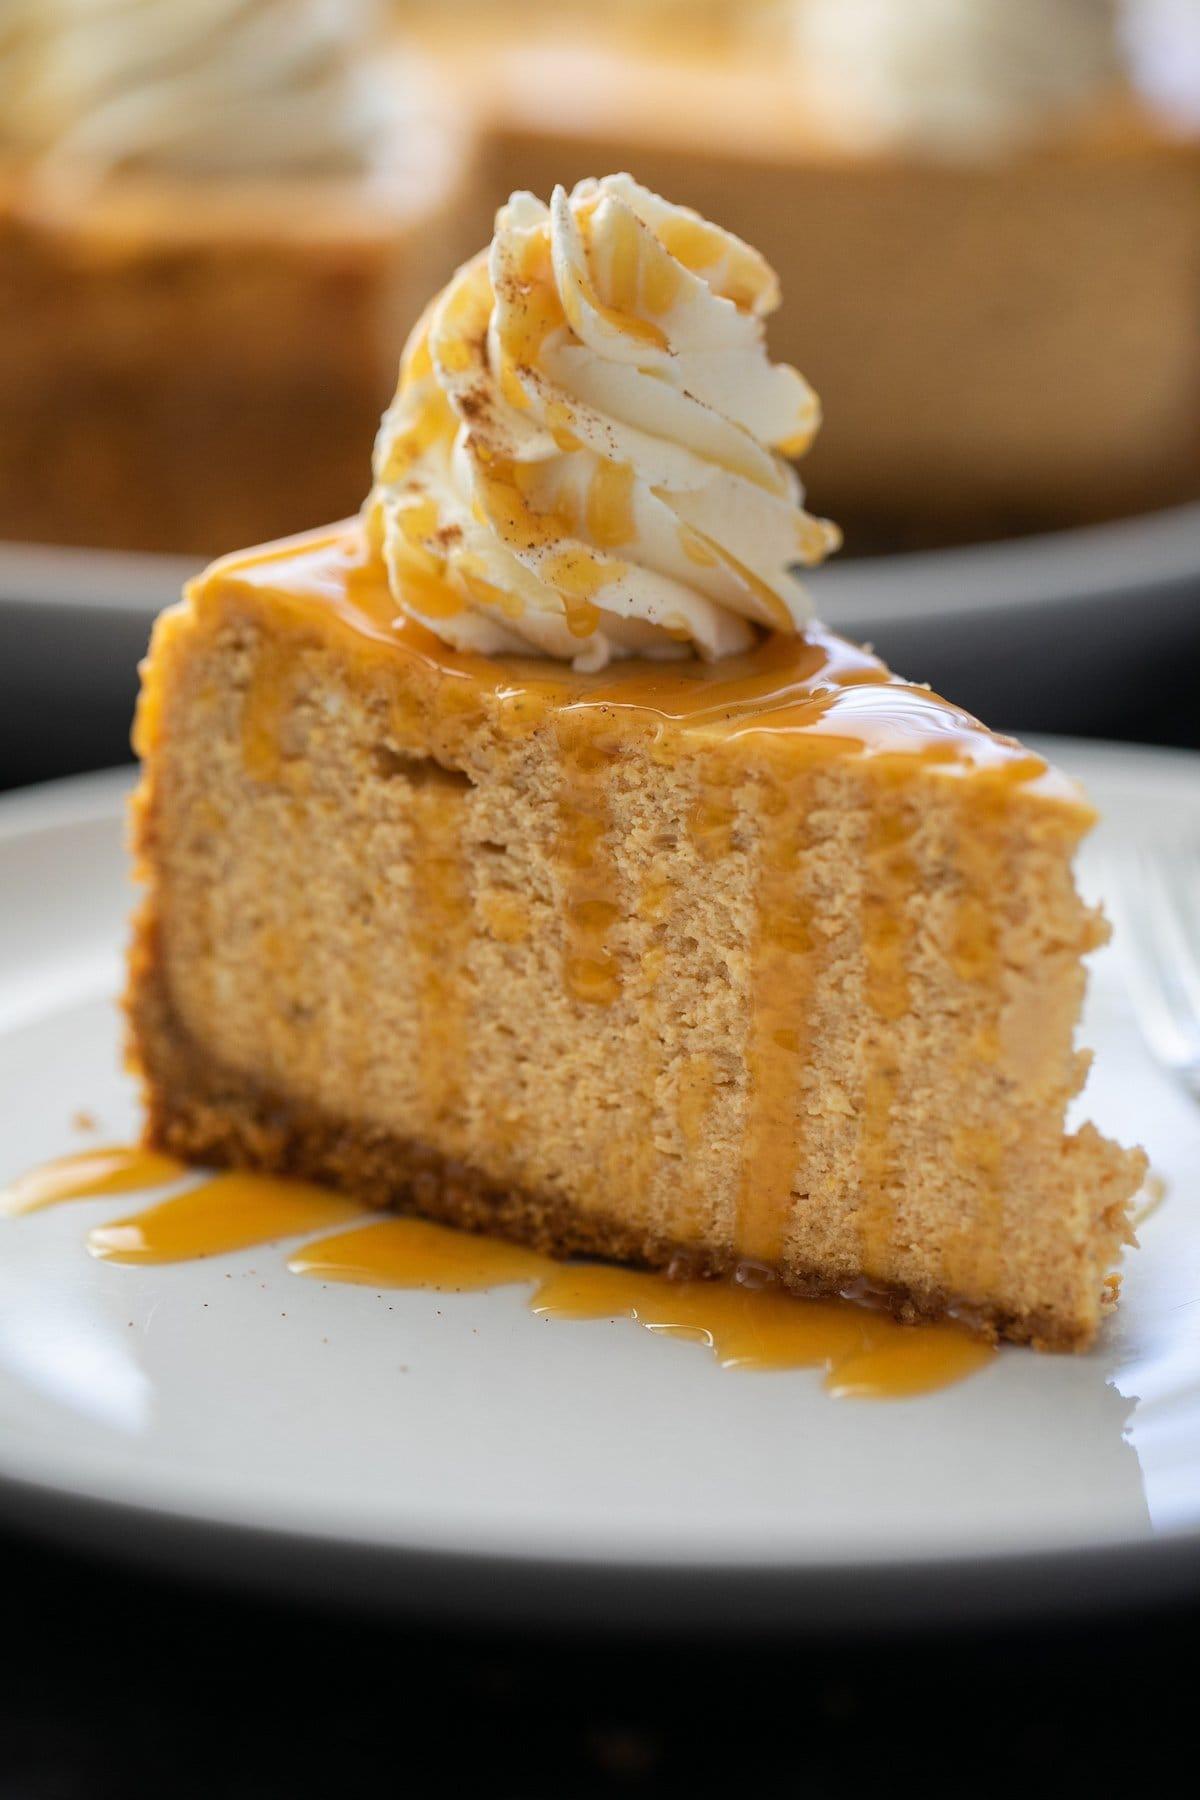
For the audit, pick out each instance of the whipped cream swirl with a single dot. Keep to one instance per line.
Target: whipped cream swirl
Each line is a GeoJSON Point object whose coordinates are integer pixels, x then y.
{"type": "Point", "coordinates": [207, 87]}
{"type": "Point", "coordinates": [585, 455]}
{"type": "Point", "coordinates": [955, 76]}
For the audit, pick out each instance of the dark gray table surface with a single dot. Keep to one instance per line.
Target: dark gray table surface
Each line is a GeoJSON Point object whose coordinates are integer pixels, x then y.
{"type": "Point", "coordinates": [119, 1688]}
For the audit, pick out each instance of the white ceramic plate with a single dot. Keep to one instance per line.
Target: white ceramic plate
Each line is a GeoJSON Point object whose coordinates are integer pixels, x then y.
{"type": "Point", "coordinates": [455, 1451]}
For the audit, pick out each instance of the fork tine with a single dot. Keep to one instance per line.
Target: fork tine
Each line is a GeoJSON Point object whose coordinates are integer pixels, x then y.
{"type": "Point", "coordinates": [1186, 869]}
{"type": "Point", "coordinates": [1165, 885]}
{"type": "Point", "coordinates": [1152, 901]}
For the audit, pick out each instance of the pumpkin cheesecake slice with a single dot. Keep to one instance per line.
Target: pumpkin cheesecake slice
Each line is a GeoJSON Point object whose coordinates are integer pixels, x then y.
{"type": "Point", "coordinates": [524, 855]}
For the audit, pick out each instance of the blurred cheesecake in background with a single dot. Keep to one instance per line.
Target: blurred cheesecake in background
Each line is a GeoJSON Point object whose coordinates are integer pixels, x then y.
{"type": "Point", "coordinates": [989, 236]}
{"type": "Point", "coordinates": [218, 215]}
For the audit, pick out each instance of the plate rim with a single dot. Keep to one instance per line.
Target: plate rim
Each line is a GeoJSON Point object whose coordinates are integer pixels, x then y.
{"type": "Point", "coordinates": [68, 800]}
{"type": "Point", "coordinates": [1066, 1576]}
{"type": "Point", "coordinates": [530, 1589]}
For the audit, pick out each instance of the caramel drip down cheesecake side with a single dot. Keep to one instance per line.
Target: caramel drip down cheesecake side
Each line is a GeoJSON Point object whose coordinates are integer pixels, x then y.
{"type": "Point", "coordinates": [751, 954]}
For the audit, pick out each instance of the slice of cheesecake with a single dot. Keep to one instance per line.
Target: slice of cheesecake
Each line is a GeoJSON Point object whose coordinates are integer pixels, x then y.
{"type": "Point", "coordinates": [525, 855]}
{"type": "Point", "coordinates": [774, 960]}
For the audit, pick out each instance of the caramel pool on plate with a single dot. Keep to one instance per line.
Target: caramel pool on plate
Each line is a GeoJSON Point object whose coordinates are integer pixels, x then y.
{"type": "Point", "coordinates": [748, 1322]}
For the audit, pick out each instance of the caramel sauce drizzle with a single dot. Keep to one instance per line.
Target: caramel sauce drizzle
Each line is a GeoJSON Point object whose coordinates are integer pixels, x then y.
{"type": "Point", "coordinates": [223, 1213]}
{"type": "Point", "coordinates": [890, 882]}
{"type": "Point", "coordinates": [263, 710]}
{"type": "Point", "coordinates": [442, 926]}
{"type": "Point", "coordinates": [973, 1263]}
{"type": "Point", "coordinates": [588, 870]}
{"type": "Point", "coordinates": [595, 972]}
{"type": "Point", "coordinates": [226, 1213]}
{"type": "Point", "coordinates": [694, 1105]}
{"type": "Point", "coordinates": [863, 1352]}
{"type": "Point", "coordinates": [415, 1253]}
{"type": "Point", "coordinates": [829, 697]}
{"type": "Point", "coordinates": [748, 1322]}
{"type": "Point", "coordinates": [111, 1169]}
{"type": "Point", "coordinates": [640, 1142]}
{"type": "Point", "coordinates": [780, 1011]}
{"type": "Point", "coordinates": [713, 835]}
{"type": "Point", "coordinates": [624, 283]}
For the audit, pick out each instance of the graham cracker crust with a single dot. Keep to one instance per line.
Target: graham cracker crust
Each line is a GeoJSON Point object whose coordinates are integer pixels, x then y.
{"type": "Point", "coordinates": [202, 1112]}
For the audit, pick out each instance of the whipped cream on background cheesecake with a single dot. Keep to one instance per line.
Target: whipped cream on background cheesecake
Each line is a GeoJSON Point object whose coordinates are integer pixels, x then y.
{"type": "Point", "coordinates": [221, 90]}
{"type": "Point", "coordinates": [959, 77]}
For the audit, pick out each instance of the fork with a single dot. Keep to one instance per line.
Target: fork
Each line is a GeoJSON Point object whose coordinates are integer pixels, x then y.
{"type": "Point", "coordinates": [1154, 897]}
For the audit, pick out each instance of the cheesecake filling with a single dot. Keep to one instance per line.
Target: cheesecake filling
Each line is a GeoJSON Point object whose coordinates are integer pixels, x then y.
{"type": "Point", "coordinates": [586, 454]}
{"type": "Point", "coordinates": [213, 88]}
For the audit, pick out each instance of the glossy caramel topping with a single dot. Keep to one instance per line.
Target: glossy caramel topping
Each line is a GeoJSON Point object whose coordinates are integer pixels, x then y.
{"type": "Point", "coordinates": [780, 1030]}
{"type": "Point", "coordinates": [887, 926]}
{"type": "Point", "coordinates": [974, 1262]}
{"type": "Point", "coordinates": [113, 1169]}
{"type": "Point", "coordinates": [748, 1322]}
{"type": "Point", "coordinates": [863, 1352]}
{"type": "Point", "coordinates": [441, 926]}
{"type": "Point", "coordinates": [812, 692]}
{"type": "Point", "coordinates": [413, 1253]}
{"type": "Point", "coordinates": [229, 1212]}
{"type": "Point", "coordinates": [587, 867]}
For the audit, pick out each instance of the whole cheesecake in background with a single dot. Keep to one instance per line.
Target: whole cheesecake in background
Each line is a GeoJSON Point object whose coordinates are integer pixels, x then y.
{"type": "Point", "coordinates": [217, 218]}
{"type": "Point", "coordinates": [522, 854]}
{"type": "Point", "coordinates": [988, 234]}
